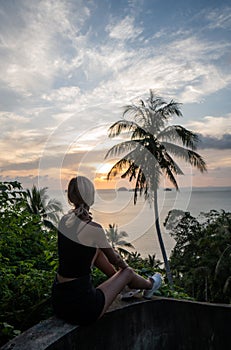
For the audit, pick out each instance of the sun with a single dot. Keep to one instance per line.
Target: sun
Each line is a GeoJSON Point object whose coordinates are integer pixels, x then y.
{"type": "Point", "coordinates": [100, 179]}
{"type": "Point", "coordinates": [103, 168]}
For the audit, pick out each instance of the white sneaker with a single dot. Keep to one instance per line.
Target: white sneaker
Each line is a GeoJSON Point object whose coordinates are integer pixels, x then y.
{"type": "Point", "coordinates": [157, 280]}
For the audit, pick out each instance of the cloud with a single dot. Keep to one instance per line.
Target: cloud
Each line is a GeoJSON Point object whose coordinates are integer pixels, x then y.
{"type": "Point", "coordinates": [11, 118]}
{"type": "Point", "coordinates": [212, 126]}
{"type": "Point", "coordinates": [198, 68]}
{"type": "Point", "coordinates": [57, 158]}
{"type": "Point", "coordinates": [32, 47]}
{"type": "Point", "coordinates": [215, 143]}
{"type": "Point", "coordinates": [63, 75]}
{"type": "Point", "coordinates": [65, 94]}
{"type": "Point", "coordinates": [217, 159]}
{"type": "Point", "coordinates": [181, 68]}
{"type": "Point", "coordinates": [219, 18]}
{"type": "Point", "coordinates": [124, 30]}
{"type": "Point", "coordinates": [65, 54]}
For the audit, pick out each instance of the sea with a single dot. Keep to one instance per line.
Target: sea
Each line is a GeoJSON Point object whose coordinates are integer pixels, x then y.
{"type": "Point", "coordinates": [117, 207]}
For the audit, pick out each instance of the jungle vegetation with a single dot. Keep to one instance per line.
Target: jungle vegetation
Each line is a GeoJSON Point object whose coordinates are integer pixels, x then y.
{"type": "Point", "coordinates": [200, 261]}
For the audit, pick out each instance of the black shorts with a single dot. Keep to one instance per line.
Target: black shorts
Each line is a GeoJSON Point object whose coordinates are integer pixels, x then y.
{"type": "Point", "coordinates": [77, 301]}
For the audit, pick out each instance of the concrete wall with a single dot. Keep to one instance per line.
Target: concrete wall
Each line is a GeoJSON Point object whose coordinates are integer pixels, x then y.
{"type": "Point", "coordinates": [143, 325]}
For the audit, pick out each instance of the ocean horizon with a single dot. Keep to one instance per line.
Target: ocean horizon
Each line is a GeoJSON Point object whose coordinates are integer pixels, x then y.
{"type": "Point", "coordinates": [117, 207]}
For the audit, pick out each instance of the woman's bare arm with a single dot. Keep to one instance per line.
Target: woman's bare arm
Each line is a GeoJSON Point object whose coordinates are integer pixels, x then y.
{"type": "Point", "coordinates": [114, 258]}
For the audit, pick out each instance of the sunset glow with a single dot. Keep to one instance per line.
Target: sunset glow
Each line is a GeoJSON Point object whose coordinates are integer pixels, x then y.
{"type": "Point", "coordinates": [66, 76]}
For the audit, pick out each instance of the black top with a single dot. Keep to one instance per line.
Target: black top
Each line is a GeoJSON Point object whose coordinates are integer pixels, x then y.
{"type": "Point", "coordinates": [75, 259]}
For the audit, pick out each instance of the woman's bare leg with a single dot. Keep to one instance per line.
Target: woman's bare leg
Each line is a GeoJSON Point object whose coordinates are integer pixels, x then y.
{"type": "Point", "coordinates": [101, 262]}
{"type": "Point", "coordinates": [113, 286]}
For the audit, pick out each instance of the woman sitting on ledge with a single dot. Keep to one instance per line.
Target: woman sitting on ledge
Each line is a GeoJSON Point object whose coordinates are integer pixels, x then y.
{"type": "Point", "coordinates": [82, 243]}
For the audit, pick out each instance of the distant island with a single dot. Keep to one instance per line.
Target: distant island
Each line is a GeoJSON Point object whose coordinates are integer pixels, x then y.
{"type": "Point", "coordinates": [122, 189]}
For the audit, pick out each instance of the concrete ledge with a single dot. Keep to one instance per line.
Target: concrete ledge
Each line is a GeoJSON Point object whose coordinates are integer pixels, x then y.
{"type": "Point", "coordinates": [157, 324]}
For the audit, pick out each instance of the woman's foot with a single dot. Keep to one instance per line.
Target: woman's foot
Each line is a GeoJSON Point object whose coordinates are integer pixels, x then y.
{"type": "Point", "coordinates": [157, 280]}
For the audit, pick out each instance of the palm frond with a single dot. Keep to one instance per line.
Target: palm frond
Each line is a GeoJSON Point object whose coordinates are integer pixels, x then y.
{"type": "Point", "coordinates": [38, 203]}
{"type": "Point", "coordinates": [154, 101]}
{"type": "Point", "coordinates": [170, 163]}
{"type": "Point", "coordinates": [140, 133]}
{"type": "Point", "coordinates": [179, 133]}
{"type": "Point", "coordinates": [141, 185]}
{"type": "Point", "coordinates": [124, 243]}
{"type": "Point", "coordinates": [148, 177]}
{"type": "Point", "coordinates": [118, 167]}
{"type": "Point", "coordinates": [115, 237]}
{"type": "Point", "coordinates": [139, 113]}
{"type": "Point", "coordinates": [171, 177]}
{"type": "Point", "coordinates": [125, 146]}
{"type": "Point", "coordinates": [187, 155]}
{"type": "Point", "coordinates": [43, 194]}
{"type": "Point", "coordinates": [130, 161]}
{"type": "Point", "coordinates": [122, 126]}
{"type": "Point", "coordinates": [54, 204]}
{"type": "Point", "coordinates": [140, 160]}
{"type": "Point", "coordinates": [122, 234]}
{"type": "Point", "coordinates": [170, 109]}
{"type": "Point", "coordinates": [197, 161]}
{"type": "Point", "coordinates": [163, 160]}
{"type": "Point", "coordinates": [167, 165]}
{"type": "Point", "coordinates": [135, 164]}
{"type": "Point", "coordinates": [123, 251]}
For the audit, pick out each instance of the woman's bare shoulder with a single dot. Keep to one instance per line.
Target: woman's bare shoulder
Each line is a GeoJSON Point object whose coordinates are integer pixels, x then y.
{"type": "Point", "coordinates": [95, 224]}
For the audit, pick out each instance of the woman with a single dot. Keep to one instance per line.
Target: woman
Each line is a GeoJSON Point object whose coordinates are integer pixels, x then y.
{"type": "Point", "coordinates": [82, 244]}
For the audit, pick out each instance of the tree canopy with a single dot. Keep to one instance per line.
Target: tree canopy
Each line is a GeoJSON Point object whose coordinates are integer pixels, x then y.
{"type": "Point", "coordinates": [201, 258]}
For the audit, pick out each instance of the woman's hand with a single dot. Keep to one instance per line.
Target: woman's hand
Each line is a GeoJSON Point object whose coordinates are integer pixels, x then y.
{"type": "Point", "coordinates": [119, 262]}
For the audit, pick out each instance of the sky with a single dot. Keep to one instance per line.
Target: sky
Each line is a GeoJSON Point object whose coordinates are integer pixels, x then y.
{"type": "Point", "coordinates": [69, 66]}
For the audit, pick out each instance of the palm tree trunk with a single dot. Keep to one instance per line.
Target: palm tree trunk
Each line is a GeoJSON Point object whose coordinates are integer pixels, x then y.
{"type": "Point", "coordinates": [162, 247]}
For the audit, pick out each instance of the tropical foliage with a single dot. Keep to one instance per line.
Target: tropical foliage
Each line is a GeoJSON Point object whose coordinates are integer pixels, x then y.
{"type": "Point", "coordinates": [201, 259]}
{"type": "Point", "coordinates": [116, 239]}
{"type": "Point", "coordinates": [27, 262]}
{"type": "Point", "coordinates": [38, 202]}
{"type": "Point", "coordinates": [148, 152]}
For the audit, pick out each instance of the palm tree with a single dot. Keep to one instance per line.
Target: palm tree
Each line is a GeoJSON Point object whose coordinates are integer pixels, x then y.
{"type": "Point", "coordinates": [38, 202]}
{"type": "Point", "coordinates": [149, 150]}
{"type": "Point", "coordinates": [116, 238]}
{"type": "Point", "coordinates": [153, 261]}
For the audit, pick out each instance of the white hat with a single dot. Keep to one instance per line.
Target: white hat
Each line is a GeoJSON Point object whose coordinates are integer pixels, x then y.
{"type": "Point", "coordinates": [86, 190]}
